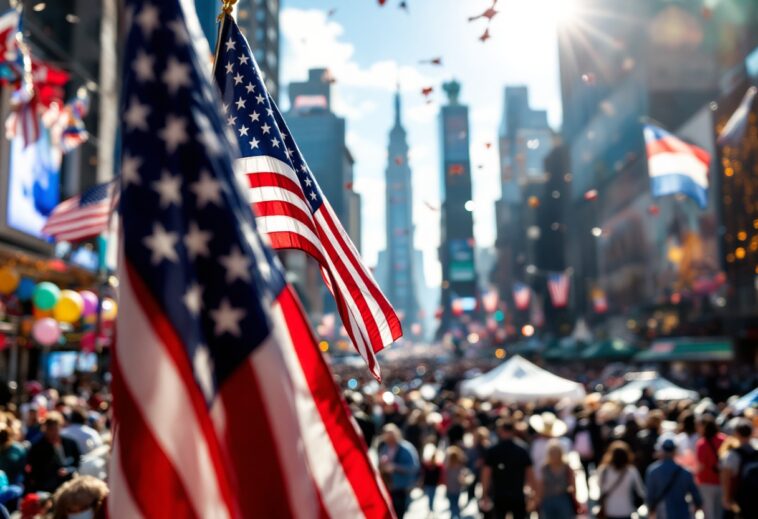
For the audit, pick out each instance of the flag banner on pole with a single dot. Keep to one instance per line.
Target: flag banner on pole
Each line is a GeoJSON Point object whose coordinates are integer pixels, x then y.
{"type": "Point", "coordinates": [521, 296]}
{"type": "Point", "coordinates": [289, 204]}
{"type": "Point", "coordinates": [83, 216]}
{"type": "Point", "coordinates": [734, 130]}
{"type": "Point", "coordinates": [558, 284]}
{"type": "Point", "coordinates": [599, 301]}
{"type": "Point", "coordinates": [224, 407]}
{"type": "Point", "coordinates": [675, 166]}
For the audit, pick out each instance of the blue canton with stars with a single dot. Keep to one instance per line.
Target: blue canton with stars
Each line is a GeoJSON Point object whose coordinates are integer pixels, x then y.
{"type": "Point", "coordinates": [189, 233]}
{"type": "Point", "coordinates": [251, 113]}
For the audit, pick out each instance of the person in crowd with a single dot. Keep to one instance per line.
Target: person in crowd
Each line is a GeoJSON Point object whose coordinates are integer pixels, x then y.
{"type": "Point", "coordinates": [739, 474]}
{"type": "Point", "coordinates": [647, 399]}
{"type": "Point", "coordinates": [415, 429]}
{"type": "Point", "coordinates": [431, 471]}
{"type": "Point", "coordinates": [556, 491]}
{"type": "Point", "coordinates": [362, 415]}
{"type": "Point", "coordinates": [83, 497]}
{"type": "Point", "coordinates": [506, 472]}
{"type": "Point", "coordinates": [86, 437]}
{"type": "Point", "coordinates": [686, 439]}
{"type": "Point", "coordinates": [36, 505]}
{"type": "Point", "coordinates": [668, 486]}
{"type": "Point", "coordinates": [12, 455]}
{"type": "Point", "coordinates": [547, 426]}
{"type": "Point", "coordinates": [707, 467]}
{"type": "Point", "coordinates": [621, 488]}
{"type": "Point", "coordinates": [399, 464]}
{"type": "Point", "coordinates": [586, 439]}
{"type": "Point", "coordinates": [648, 438]}
{"type": "Point", "coordinates": [456, 476]}
{"type": "Point", "coordinates": [53, 459]}
{"type": "Point", "coordinates": [32, 428]}
{"type": "Point", "coordinates": [475, 458]}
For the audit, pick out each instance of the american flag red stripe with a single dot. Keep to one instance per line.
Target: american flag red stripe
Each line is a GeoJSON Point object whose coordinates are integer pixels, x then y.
{"type": "Point", "coordinates": [521, 296]}
{"type": "Point", "coordinates": [83, 216]}
{"type": "Point", "coordinates": [558, 284]}
{"type": "Point", "coordinates": [282, 212]}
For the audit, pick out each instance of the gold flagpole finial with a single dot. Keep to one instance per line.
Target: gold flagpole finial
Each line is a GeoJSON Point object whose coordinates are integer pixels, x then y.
{"type": "Point", "coordinates": [227, 7]}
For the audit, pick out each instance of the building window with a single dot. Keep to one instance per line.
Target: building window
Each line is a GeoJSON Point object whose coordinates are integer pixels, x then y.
{"type": "Point", "coordinates": [259, 36]}
{"type": "Point", "coordinates": [272, 34]}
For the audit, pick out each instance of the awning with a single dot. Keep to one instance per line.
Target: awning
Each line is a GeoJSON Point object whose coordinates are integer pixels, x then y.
{"type": "Point", "coordinates": [610, 349]}
{"type": "Point", "coordinates": [688, 349]}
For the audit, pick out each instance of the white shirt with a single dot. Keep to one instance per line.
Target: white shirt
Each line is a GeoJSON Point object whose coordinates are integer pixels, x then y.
{"type": "Point", "coordinates": [618, 503]}
{"type": "Point", "coordinates": [86, 437]}
{"type": "Point", "coordinates": [539, 452]}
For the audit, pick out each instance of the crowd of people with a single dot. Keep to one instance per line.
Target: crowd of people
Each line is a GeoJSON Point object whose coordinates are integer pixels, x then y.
{"type": "Point", "coordinates": [54, 450]}
{"type": "Point", "coordinates": [652, 458]}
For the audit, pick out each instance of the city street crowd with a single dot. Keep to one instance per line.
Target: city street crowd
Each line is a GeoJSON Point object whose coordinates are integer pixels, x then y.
{"type": "Point", "coordinates": [487, 458]}
{"type": "Point", "coordinates": [654, 458]}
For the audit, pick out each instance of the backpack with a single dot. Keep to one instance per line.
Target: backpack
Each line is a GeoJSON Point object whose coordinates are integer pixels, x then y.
{"type": "Point", "coordinates": [746, 490]}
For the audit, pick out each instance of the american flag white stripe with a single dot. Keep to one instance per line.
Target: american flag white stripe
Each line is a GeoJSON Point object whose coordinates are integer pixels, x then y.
{"type": "Point", "coordinates": [83, 216]}
{"type": "Point", "coordinates": [120, 497]}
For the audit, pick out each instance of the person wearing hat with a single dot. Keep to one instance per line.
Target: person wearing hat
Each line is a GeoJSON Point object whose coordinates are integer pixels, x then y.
{"type": "Point", "coordinates": [668, 485]}
{"type": "Point", "coordinates": [548, 427]}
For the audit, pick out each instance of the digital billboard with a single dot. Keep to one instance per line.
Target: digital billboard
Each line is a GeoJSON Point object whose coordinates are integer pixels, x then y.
{"type": "Point", "coordinates": [33, 188]}
{"type": "Point", "coordinates": [461, 261]}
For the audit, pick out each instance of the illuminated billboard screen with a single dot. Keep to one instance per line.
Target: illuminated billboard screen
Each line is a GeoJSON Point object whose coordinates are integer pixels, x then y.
{"type": "Point", "coordinates": [461, 261]}
{"type": "Point", "coordinates": [33, 184]}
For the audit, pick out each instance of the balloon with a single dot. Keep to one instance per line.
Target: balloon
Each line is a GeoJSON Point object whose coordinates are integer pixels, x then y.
{"type": "Point", "coordinates": [41, 314]}
{"type": "Point", "coordinates": [45, 296]}
{"type": "Point", "coordinates": [9, 280]}
{"type": "Point", "coordinates": [90, 302]}
{"type": "Point", "coordinates": [46, 331]}
{"type": "Point", "coordinates": [25, 289]}
{"type": "Point", "coordinates": [69, 307]}
{"type": "Point", "coordinates": [110, 309]}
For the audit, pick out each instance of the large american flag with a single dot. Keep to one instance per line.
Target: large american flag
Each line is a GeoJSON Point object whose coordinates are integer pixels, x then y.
{"type": "Point", "coordinates": [83, 216]}
{"type": "Point", "coordinates": [558, 285]}
{"type": "Point", "coordinates": [224, 407]}
{"type": "Point", "coordinates": [290, 207]}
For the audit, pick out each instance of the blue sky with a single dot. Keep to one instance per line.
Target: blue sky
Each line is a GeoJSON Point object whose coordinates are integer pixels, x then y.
{"type": "Point", "coordinates": [370, 48]}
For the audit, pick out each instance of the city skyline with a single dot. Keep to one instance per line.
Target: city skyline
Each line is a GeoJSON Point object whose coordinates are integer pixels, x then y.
{"type": "Point", "coordinates": [366, 76]}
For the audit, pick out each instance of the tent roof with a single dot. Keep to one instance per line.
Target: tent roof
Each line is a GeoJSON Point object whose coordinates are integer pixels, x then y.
{"type": "Point", "coordinates": [663, 389]}
{"type": "Point", "coordinates": [519, 380]}
{"type": "Point", "coordinates": [688, 349]}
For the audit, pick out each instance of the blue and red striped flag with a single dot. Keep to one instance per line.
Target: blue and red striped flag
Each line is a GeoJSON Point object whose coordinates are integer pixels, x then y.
{"type": "Point", "coordinates": [290, 206]}
{"type": "Point", "coordinates": [224, 406]}
{"type": "Point", "coordinates": [676, 166]}
{"type": "Point", "coordinates": [522, 295]}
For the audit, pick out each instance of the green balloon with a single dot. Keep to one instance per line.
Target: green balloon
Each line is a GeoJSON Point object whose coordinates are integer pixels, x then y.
{"type": "Point", "coordinates": [45, 296]}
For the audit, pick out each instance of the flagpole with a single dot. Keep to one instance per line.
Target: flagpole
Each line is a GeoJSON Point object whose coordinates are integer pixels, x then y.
{"type": "Point", "coordinates": [227, 7]}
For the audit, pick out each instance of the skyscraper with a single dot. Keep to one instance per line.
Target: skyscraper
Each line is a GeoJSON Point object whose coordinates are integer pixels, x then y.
{"type": "Point", "coordinates": [457, 242]}
{"type": "Point", "coordinates": [320, 134]}
{"type": "Point", "coordinates": [525, 140]}
{"type": "Point", "coordinates": [397, 261]}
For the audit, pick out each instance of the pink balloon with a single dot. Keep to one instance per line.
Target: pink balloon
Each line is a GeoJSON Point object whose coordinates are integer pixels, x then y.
{"type": "Point", "coordinates": [46, 331]}
{"type": "Point", "coordinates": [90, 302]}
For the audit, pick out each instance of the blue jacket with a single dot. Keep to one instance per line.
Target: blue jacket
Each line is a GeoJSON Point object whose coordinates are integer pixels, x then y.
{"type": "Point", "coordinates": [406, 464]}
{"type": "Point", "coordinates": [674, 505]}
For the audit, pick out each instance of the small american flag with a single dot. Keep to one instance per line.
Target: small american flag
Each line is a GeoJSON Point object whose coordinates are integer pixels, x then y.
{"type": "Point", "coordinates": [599, 300]}
{"type": "Point", "coordinates": [558, 285]}
{"type": "Point", "coordinates": [290, 206]}
{"type": "Point", "coordinates": [223, 404]}
{"type": "Point", "coordinates": [83, 216]}
{"type": "Point", "coordinates": [522, 295]}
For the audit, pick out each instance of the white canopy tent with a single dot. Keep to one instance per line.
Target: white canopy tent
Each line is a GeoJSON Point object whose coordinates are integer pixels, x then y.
{"type": "Point", "coordinates": [518, 380]}
{"type": "Point", "coordinates": [663, 389]}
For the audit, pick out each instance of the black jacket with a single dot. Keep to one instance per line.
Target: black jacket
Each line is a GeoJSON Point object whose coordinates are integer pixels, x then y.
{"type": "Point", "coordinates": [45, 462]}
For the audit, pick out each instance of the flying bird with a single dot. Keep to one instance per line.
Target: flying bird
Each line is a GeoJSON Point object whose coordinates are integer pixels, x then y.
{"type": "Point", "coordinates": [426, 91]}
{"type": "Point", "coordinates": [331, 12]}
{"type": "Point", "coordinates": [403, 6]}
{"type": "Point", "coordinates": [488, 13]}
{"type": "Point", "coordinates": [433, 61]}
{"type": "Point", "coordinates": [485, 35]}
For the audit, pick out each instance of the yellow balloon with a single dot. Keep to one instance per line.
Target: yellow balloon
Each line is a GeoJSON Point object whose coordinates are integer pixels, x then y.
{"type": "Point", "coordinates": [9, 280]}
{"type": "Point", "coordinates": [69, 307]}
{"type": "Point", "coordinates": [110, 309]}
